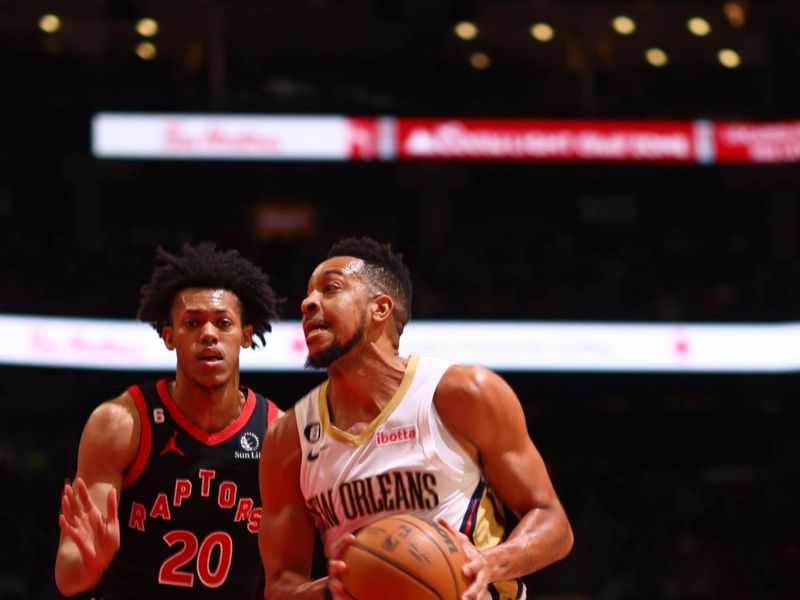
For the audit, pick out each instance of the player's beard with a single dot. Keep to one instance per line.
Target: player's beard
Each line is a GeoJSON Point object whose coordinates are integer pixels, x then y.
{"type": "Point", "coordinates": [337, 349]}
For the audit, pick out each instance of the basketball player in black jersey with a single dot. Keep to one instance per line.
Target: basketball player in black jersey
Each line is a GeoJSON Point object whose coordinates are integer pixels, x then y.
{"type": "Point", "coordinates": [165, 503]}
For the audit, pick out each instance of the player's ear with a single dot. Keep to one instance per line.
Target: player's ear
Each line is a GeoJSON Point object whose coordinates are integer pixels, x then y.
{"type": "Point", "coordinates": [167, 335]}
{"type": "Point", "coordinates": [247, 336]}
{"type": "Point", "coordinates": [382, 306]}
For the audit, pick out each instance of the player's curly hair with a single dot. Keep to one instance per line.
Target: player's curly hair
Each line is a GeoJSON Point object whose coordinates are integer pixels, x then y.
{"type": "Point", "coordinates": [385, 269]}
{"type": "Point", "coordinates": [203, 266]}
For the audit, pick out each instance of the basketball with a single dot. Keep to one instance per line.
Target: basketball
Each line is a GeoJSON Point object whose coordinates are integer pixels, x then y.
{"type": "Point", "coordinates": [403, 557]}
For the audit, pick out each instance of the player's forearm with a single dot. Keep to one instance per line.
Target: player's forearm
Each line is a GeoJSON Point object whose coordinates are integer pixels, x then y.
{"type": "Point", "coordinates": [542, 537]}
{"type": "Point", "coordinates": [72, 575]}
{"type": "Point", "coordinates": [294, 586]}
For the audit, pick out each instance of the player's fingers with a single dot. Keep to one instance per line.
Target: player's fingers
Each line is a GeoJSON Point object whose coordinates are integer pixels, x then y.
{"type": "Point", "coordinates": [74, 504]}
{"type": "Point", "coordinates": [342, 545]}
{"type": "Point", "coordinates": [336, 568]}
{"type": "Point", "coordinates": [443, 522]}
{"type": "Point", "coordinates": [80, 541]}
{"type": "Point", "coordinates": [72, 500]}
{"type": "Point", "coordinates": [471, 593]}
{"type": "Point", "coordinates": [477, 587]}
{"type": "Point", "coordinates": [96, 521]}
{"type": "Point", "coordinates": [476, 561]}
{"type": "Point", "coordinates": [75, 534]}
{"type": "Point", "coordinates": [111, 506]}
{"type": "Point", "coordinates": [337, 589]}
{"type": "Point", "coordinates": [460, 536]}
{"type": "Point", "coordinates": [66, 508]}
{"type": "Point", "coordinates": [83, 493]}
{"type": "Point", "coordinates": [68, 529]}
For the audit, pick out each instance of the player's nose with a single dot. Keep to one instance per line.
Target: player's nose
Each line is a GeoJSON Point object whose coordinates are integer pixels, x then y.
{"type": "Point", "coordinates": [310, 304]}
{"type": "Point", "coordinates": [208, 333]}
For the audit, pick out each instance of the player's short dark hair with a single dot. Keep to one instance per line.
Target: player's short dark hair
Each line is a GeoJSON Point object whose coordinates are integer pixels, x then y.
{"type": "Point", "coordinates": [385, 269]}
{"type": "Point", "coordinates": [203, 266]}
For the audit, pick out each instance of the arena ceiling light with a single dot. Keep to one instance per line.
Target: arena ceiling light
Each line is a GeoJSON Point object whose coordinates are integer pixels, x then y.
{"type": "Point", "coordinates": [146, 50]}
{"type": "Point", "coordinates": [735, 13]}
{"type": "Point", "coordinates": [49, 23]}
{"type": "Point", "coordinates": [656, 57]}
{"type": "Point", "coordinates": [623, 25]}
{"type": "Point", "coordinates": [466, 30]}
{"type": "Point", "coordinates": [698, 26]}
{"type": "Point", "coordinates": [728, 58]}
{"type": "Point", "coordinates": [147, 27]}
{"type": "Point", "coordinates": [542, 32]}
{"type": "Point", "coordinates": [480, 60]}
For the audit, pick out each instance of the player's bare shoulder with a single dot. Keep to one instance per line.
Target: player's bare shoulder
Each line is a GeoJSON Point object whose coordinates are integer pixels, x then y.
{"type": "Point", "coordinates": [283, 429]}
{"type": "Point", "coordinates": [462, 386]}
{"type": "Point", "coordinates": [282, 442]}
{"type": "Point", "coordinates": [279, 468]}
{"type": "Point", "coordinates": [112, 432]}
{"type": "Point", "coordinates": [473, 402]}
{"type": "Point", "coordinates": [461, 400]}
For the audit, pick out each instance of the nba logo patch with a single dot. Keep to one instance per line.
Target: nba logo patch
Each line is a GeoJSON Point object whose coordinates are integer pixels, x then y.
{"type": "Point", "coordinates": [313, 432]}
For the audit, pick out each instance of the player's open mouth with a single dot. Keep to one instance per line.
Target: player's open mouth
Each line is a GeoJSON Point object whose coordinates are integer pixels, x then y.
{"type": "Point", "coordinates": [211, 356]}
{"type": "Point", "coordinates": [312, 327]}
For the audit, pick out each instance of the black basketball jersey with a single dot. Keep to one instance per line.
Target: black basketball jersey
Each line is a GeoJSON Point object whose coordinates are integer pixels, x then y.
{"type": "Point", "coordinates": [190, 506]}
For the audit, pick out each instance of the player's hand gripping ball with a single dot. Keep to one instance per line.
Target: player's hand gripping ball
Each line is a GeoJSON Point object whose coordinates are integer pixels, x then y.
{"type": "Point", "coordinates": [403, 558]}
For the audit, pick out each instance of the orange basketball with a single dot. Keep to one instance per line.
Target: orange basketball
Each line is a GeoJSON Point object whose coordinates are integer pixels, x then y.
{"type": "Point", "coordinates": [404, 557]}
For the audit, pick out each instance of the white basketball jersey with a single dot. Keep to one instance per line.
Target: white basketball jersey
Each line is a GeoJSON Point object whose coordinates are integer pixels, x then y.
{"type": "Point", "coordinates": [405, 461]}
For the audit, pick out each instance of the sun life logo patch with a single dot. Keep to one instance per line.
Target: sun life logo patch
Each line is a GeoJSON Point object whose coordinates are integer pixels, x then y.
{"type": "Point", "coordinates": [250, 444]}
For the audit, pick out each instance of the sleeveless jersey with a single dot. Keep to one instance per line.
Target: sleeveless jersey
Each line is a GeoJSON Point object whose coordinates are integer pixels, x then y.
{"type": "Point", "coordinates": [189, 509]}
{"type": "Point", "coordinates": [405, 461]}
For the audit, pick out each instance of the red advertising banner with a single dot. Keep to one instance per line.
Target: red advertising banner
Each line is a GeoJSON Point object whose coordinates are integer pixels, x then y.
{"type": "Point", "coordinates": [507, 139]}
{"type": "Point", "coordinates": [346, 138]}
{"type": "Point", "coordinates": [777, 142]}
{"type": "Point", "coordinates": [363, 141]}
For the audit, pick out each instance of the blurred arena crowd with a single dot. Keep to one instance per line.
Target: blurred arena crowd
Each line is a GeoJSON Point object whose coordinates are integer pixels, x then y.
{"type": "Point", "coordinates": [492, 242]}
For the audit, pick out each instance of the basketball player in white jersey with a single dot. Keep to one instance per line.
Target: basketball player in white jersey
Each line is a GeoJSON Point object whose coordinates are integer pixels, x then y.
{"type": "Point", "coordinates": [390, 434]}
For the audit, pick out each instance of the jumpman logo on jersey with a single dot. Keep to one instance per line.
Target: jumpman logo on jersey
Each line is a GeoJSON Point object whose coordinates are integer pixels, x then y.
{"type": "Point", "coordinates": [170, 445]}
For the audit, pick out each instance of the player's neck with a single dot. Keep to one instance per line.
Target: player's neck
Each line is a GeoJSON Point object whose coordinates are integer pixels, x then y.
{"type": "Point", "coordinates": [362, 383]}
{"type": "Point", "coordinates": [211, 409]}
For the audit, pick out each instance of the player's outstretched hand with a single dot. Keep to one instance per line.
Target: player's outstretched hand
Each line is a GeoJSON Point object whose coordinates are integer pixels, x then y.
{"type": "Point", "coordinates": [96, 536]}
{"type": "Point", "coordinates": [476, 569]}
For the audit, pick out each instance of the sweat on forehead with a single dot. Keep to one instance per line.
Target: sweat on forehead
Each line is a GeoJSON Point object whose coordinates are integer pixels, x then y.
{"type": "Point", "coordinates": [354, 266]}
{"type": "Point", "coordinates": [357, 266]}
{"type": "Point", "coordinates": [345, 265]}
{"type": "Point", "coordinates": [213, 295]}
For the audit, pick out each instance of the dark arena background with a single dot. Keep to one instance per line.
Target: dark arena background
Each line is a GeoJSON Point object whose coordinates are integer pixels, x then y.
{"type": "Point", "coordinates": [538, 162]}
